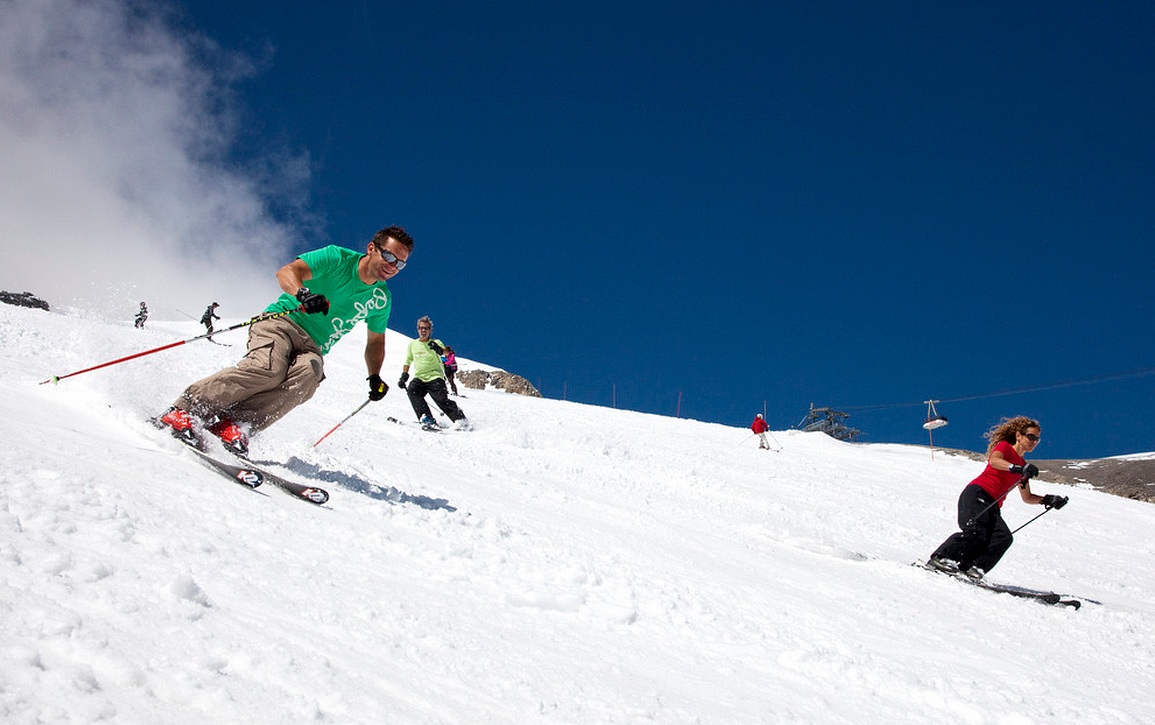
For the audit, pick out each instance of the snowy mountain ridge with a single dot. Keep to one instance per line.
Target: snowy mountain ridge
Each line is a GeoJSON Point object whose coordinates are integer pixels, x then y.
{"type": "Point", "coordinates": [560, 564]}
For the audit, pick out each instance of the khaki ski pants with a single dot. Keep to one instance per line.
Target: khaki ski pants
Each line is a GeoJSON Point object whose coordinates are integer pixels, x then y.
{"type": "Point", "coordinates": [282, 369]}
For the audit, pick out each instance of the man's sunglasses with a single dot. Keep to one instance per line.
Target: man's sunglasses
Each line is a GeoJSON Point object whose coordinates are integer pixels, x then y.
{"type": "Point", "coordinates": [391, 258]}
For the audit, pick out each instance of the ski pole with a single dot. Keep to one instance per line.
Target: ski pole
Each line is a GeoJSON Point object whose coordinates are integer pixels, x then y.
{"type": "Point", "coordinates": [1020, 484]}
{"type": "Point", "coordinates": [355, 412]}
{"type": "Point", "coordinates": [1047, 511]}
{"type": "Point", "coordinates": [258, 318]}
{"type": "Point", "coordinates": [775, 440]}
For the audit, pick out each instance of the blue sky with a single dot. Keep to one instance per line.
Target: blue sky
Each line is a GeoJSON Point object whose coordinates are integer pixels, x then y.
{"type": "Point", "coordinates": [850, 204]}
{"type": "Point", "coordinates": [857, 205]}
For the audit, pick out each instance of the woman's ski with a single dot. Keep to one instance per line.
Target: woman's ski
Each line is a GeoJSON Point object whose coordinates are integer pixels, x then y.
{"type": "Point", "coordinates": [1038, 595]}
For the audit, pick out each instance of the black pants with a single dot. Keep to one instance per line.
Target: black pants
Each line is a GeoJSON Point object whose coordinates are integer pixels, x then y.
{"type": "Point", "coordinates": [983, 539]}
{"type": "Point", "coordinates": [449, 373]}
{"type": "Point", "coordinates": [435, 389]}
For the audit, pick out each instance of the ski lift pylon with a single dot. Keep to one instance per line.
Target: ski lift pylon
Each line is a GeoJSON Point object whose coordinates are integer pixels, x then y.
{"type": "Point", "coordinates": [933, 419]}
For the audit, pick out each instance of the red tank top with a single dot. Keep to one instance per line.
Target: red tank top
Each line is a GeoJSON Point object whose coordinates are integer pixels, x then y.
{"type": "Point", "coordinates": [996, 482]}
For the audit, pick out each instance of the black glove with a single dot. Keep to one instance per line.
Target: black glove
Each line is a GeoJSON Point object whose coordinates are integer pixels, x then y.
{"type": "Point", "coordinates": [311, 302]}
{"type": "Point", "coordinates": [1052, 501]}
{"type": "Point", "coordinates": [1030, 470]}
{"type": "Point", "coordinates": [377, 387]}
{"type": "Point", "coordinates": [436, 348]}
{"type": "Point", "coordinates": [403, 380]}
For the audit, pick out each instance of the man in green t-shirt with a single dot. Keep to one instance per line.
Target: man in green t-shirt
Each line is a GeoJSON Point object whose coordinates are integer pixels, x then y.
{"type": "Point", "coordinates": [424, 357]}
{"type": "Point", "coordinates": [284, 364]}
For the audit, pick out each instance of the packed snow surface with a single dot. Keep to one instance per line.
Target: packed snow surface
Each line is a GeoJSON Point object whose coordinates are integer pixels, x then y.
{"type": "Point", "coordinates": [561, 563]}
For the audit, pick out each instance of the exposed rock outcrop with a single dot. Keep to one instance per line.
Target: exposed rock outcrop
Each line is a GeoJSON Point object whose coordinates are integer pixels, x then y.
{"type": "Point", "coordinates": [23, 299]}
{"type": "Point", "coordinates": [510, 383]}
{"type": "Point", "coordinates": [1127, 477]}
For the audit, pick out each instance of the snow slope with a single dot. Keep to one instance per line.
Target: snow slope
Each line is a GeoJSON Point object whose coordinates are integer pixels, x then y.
{"type": "Point", "coordinates": [560, 564]}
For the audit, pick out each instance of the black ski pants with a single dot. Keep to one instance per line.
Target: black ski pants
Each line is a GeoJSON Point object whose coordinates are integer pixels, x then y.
{"type": "Point", "coordinates": [984, 535]}
{"type": "Point", "coordinates": [435, 388]}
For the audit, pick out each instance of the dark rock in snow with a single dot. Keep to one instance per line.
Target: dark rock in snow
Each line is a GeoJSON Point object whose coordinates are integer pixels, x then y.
{"type": "Point", "coordinates": [23, 299]}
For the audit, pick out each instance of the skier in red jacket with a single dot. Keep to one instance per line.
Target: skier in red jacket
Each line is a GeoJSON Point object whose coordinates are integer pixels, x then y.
{"type": "Point", "coordinates": [760, 427]}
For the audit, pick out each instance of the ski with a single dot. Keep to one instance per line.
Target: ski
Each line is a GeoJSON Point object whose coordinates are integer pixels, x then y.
{"type": "Point", "coordinates": [1039, 595]}
{"type": "Point", "coordinates": [247, 477]}
{"type": "Point", "coordinates": [253, 476]}
{"type": "Point", "coordinates": [430, 427]}
{"type": "Point", "coordinates": [247, 474]}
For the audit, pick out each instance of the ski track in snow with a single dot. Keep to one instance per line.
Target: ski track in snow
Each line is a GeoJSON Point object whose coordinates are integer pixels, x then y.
{"type": "Point", "coordinates": [561, 563]}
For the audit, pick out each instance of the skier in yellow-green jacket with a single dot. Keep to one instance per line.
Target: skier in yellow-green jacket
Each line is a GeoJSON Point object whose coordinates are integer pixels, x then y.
{"type": "Point", "coordinates": [424, 358]}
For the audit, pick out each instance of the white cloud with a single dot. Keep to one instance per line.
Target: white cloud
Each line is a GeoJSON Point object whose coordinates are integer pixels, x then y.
{"type": "Point", "coordinates": [115, 135]}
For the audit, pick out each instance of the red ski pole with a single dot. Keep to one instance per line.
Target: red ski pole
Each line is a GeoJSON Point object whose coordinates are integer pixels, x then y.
{"type": "Point", "coordinates": [355, 412]}
{"type": "Point", "coordinates": [258, 318]}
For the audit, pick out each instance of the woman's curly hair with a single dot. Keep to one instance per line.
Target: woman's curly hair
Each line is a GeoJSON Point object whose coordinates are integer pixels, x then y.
{"type": "Point", "coordinates": [1006, 429]}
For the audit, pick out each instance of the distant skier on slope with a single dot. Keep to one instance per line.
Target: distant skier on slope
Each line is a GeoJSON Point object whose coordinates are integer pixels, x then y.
{"type": "Point", "coordinates": [424, 355]}
{"type": "Point", "coordinates": [284, 364]}
{"type": "Point", "coordinates": [985, 536]}
{"type": "Point", "coordinates": [450, 361]}
{"type": "Point", "coordinates": [760, 426]}
{"type": "Point", "coordinates": [210, 315]}
{"type": "Point", "coordinates": [141, 316]}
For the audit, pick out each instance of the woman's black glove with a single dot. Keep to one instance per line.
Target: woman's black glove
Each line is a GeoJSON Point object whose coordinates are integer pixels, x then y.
{"type": "Point", "coordinates": [1030, 470]}
{"type": "Point", "coordinates": [1052, 501]}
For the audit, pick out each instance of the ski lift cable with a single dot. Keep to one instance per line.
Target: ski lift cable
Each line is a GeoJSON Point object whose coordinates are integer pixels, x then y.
{"type": "Point", "coordinates": [1013, 391]}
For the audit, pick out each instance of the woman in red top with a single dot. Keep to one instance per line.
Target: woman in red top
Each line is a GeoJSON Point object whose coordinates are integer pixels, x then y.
{"type": "Point", "coordinates": [985, 537]}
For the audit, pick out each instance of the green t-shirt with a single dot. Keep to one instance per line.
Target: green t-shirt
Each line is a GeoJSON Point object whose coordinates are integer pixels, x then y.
{"type": "Point", "coordinates": [350, 300]}
{"type": "Point", "coordinates": [424, 364]}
